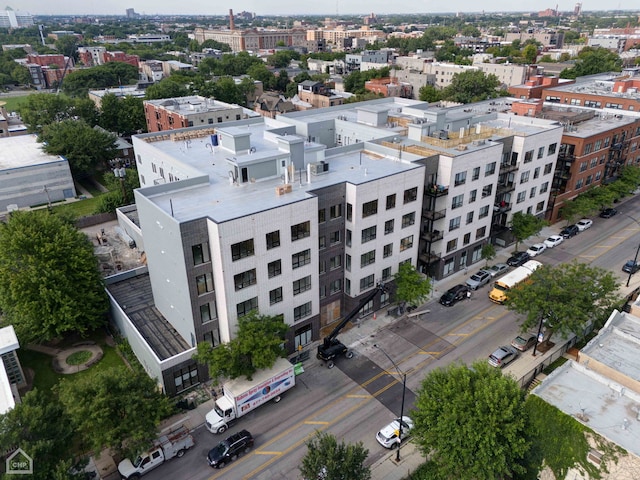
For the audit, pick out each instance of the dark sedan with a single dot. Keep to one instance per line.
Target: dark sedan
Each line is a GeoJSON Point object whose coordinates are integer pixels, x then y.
{"type": "Point", "coordinates": [518, 258]}
{"type": "Point", "coordinates": [454, 295]}
{"type": "Point", "coordinates": [569, 231]}
{"type": "Point", "coordinates": [608, 213]}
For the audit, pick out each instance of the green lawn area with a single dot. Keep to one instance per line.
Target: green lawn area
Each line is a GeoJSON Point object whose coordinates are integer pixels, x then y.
{"type": "Point", "coordinates": [81, 208]}
{"type": "Point", "coordinates": [45, 377]}
{"type": "Point", "coordinates": [13, 102]}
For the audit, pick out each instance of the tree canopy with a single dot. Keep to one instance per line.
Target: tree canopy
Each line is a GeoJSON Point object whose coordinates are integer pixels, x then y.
{"type": "Point", "coordinates": [524, 225]}
{"type": "Point", "coordinates": [592, 60]}
{"type": "Point", "coordinates": [114, 408]}
{"type": "Point", "coordinates": [471, 86]}
{"type": "Point", "coordinates": [122, 116]}
{"type": "Point", "coordinates": [471, 421]}
{"type": "Point", "coordinates": [111, 74]}
{"type": "Point", "coordinates": [42, 109]}
{"type": "Point", "coordinates": [49, 278]}
{"type": "Point", "coordinates": [411, 287]}
{"type": "Point", "coordinates": [258, 344]}
{"type": "Point", "coordinates": [327, 459]}
{"type": "Point", "coordinates": [568, 296]}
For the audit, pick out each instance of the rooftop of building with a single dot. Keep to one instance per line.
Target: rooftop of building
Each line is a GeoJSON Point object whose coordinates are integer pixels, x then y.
{"type": "Point", "coordinates": [23, 151]}
{"type": "Point", "coordinates": [122, 91]}
{"type": "Point", "coordinates": [191, 104]}
{"type": "Point", "coordinates": [8, 343]}
{"type": "Point", "coordinates": [134, 295]}
{"type": "Point", "coordinates": [601, 85]}
{"type": "Point", "coordinates": [584, 123]}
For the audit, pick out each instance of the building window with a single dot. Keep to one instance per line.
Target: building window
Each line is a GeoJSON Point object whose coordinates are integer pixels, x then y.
{"type": "Point", "coordinates": [460, 179]}
{"type": "Point", "coordinates": [300, 259]}
{"type": "Point", "coordinates": [579, 184]}
{"type": "Point", "coordinates": [528, 156]}
{"type": "Point", "coordinates": [490, 169]}
{"type": "Point", "coordinates": [200, 253]}
{"type": "Point", "coordinates": [334, 237]}
{"type": "Point", "coordinates": [367, 258]}
{"type": "Point", "coordinates": [469, 217]}
{"type": "Point", "coordinates": [348, 240]}
{"type": "Point", "coordinates": [335, 211]}
{"type": "Point", "coordinates": [335, 286]}
{"type": "Point", "coordinates": [388, 227]}
{"type": "Point", "coordinates": [456, 202]}
{"type": "Point", "coordinates": [369, 208]}
{"type": "Point", "coordinates": [274, 268]}
{"type": "Point", "coordinates": [322, 242]}
{"type": "Point", "coordinates": [449, 266]}
{"type": "Point", "coordinates": [477, 254]}
{"type": "Point", "coordinates": [452, 245]}
{"type": "Point", "coordinates": [204, 283]}
{"type": "Point", "coordinates": [387, 250]}
{"type": "Point", "coordinates": [536, 173]}
{"type": "Point", "coordinates": [552, 149]}
{"type": "Point", "coordinates": [322, 215]}
{"type": "Point", "coordinates": [487, 190]}
{"type": "Point", "coordinates": [583, 166]}
{"type": "Point", "coordinates": [540, 152]}
{"type": "Point", "coordinates": [242, 250]}
{"type": "Point", "coordinates": [521, 197]}
{"type": "Point", "coordinates": [532, 193]}
{"type": "Point", "coordinates": [186, 377]}
{"type": "Point", "coordinates": [544, 187]}
{"type": "Point", "coordinates": [275, 296]}
{"type": "Point", "coordinates": [386, 274]}
{"type": "Point", "coordinates": [349, 212]}
{"type": "Point", "coordinates": [539, 207]}
{"type": "Point", "coordinates": [301, 230]}
{"type": "Point", "coordinates": [302, 311]}
{"type": "Point", "coordinates": [368, 234]}
{"type": "Point", "coordinates": [472, 196]}
{"type": "Point", "coordinates": [335, 262]}
{"type": "Point", "coordinates": [302, 285]}
{"type": "Point", "coordinates": [484, 211]}
{"type": "Point", "coordinates": [322, 266]}
{"type": "Point", "coordinates": [607, 140]}
{"type": "Point", "coordinates": [524, 177]}
{"type": "Point", "coordinates": [391, 201]}
{"type": "Point", "coordinates": [411, 195]}
{"type": "Point", "coordinates": [594, 162]}
{"type": "Point", "coordinates": [347, 286]}
{"type": "Point", "coordinates": [245, 279]}
{"type": "Point", "coordinates": [481, 232]}
{"type": "Point", "coordinates": [303, 336]}
{"type": "Point", "coordinates": [406, 243]}
{"type": "Point", "coordinates": [476, 174]}
{"type": "Point", "coordinates": [466, 239]}
{"type": "Point", "coordinates": [245, 307]}
{"type": "Point", "coordinates": [273, 239]}
{"type": "Point", "coordinates": [366, 282]}
{"type": "Point", "coordinates": [454, 224]}
{"type": "Point", "coordinates": [408, 219]}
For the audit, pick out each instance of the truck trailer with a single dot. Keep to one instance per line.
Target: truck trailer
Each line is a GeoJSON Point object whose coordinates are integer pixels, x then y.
{"type": "Point", "coordinates": [241, 396]}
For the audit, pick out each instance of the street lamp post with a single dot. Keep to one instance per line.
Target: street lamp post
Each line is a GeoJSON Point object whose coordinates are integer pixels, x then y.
{"type": "Point", "coordinates": [404, 388]}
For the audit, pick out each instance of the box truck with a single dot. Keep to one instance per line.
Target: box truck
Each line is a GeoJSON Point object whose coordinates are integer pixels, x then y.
{"type": "Point", "coordinates": [240, 396]}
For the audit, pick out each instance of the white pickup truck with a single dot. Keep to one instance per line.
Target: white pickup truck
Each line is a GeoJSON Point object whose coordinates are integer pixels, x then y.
{"type": "Point", "coordinates": [173, 444]}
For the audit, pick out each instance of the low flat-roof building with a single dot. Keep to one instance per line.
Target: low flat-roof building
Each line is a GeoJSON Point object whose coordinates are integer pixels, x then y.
{"type": "Point", "coordinates": [11, 374]}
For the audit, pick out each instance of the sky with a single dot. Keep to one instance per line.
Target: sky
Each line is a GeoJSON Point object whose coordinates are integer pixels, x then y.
{"type": "Point", "coordinates": [292, 7]}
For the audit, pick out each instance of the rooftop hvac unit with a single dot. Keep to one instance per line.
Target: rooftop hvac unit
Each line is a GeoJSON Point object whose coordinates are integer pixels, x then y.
{"type": "Point", "coordinates": [319, 168]}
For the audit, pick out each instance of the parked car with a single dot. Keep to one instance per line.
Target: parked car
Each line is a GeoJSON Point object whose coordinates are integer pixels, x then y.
{"type": "Point", "coordinates": [524, 342]}
{"type": "Point", "coordinates": [454, 295]}
{"type": "Point", "coordinates": [608, 212]}
{"type": "Point", "coordinates": [388, 436]}
{"type": "Point", "coordinates": [230, 449]}
{"type": "Point", "coordinates": [497, 269]}
{"type": "Point", "coordinates": [584, 224]}
{"type": "Point", "coordinates": [478, 279]}
{"type": "Point", "coordinates": [631, 267]}
{"type": "Point", "coordinates": [553, 240]}
{"type": "Point", "coordinates": [503, 356]}
{"type": "Point", "coordinates": [536, 249]}
{"type": "Point", "coordinates": [569, 231]}
{"type": "Point", "coordinates": [518, 258]}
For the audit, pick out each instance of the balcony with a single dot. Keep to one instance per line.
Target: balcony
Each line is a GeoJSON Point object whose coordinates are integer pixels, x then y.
{"type": "Point", "coordinates": [504, 187]}
{"type": "Point", "coordinates": [429, 258]}
{"type": "Point", "coordinates": [434, 190]}
{"type": "Point", "coordinates": [508, 167]}
{"type": "Point", "coordinates": [433, 236]}
{"type": "Point", "coordinates": [432, 215]}
{"type": "Point", "coordinates": [566, 157]}
{"type": "Point", "coordinates": [501, 207]}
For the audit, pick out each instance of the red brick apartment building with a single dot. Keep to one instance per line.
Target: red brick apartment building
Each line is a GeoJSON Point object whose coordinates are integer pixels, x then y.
{"type": "Point", "coordinates": [534, 87]}
{"type": "Point", "coordinates": [389, 87]}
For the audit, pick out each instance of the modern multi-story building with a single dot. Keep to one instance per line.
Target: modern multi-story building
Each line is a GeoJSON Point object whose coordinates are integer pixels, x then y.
{"type": "Point", "coordinates": [318, 94]}
{"type": "Point", "coordinates": [10, 18]}
{"type": "Point", "coordinates": [194, 110]}
{"type": "Point", "coordinates": [302, 215]}
{"type": "Point", "coordinates": [253, 39]}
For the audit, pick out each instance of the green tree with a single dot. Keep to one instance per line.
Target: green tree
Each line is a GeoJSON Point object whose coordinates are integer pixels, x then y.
{"type": "Point", "coordinates": [165, 88]}
{"type": "Point", "coordinates": [114, 408]}
{"type": "Point", "coordinates": [567, 296]}
{"type": "Point", "coordinates": [258, 344]}
{"type": "Point", "coordinates": [524, 225]}
{"type": "Point", "coordinates": [430, 94]}
{"type": "Point", "coordinates": [530, 53]}
{"type": "Point", "coordinates": [67, 45]}
{"type": "Point", "coordinates": [259, 71]}
{"type": "Point", "coordinates": [40, 426]}
{"type": "Point", "coordinates": [592, 60]}
{"type": "Point", "coordinates": [122, 116]}
{"type": "Point", "coordinates": [488, 252]}
{"type": "Point", "coordinates": [42, 109]}
{"type": "Point", "coordinates": [227, 91]}
{"type": "Point", "coordinates": [112, 74]}
{"type": "Point", "coordinates": [471, 86]}
{"type": "Point", "coordinates": [86, 148]}
{"type": "Point", "coordinates": [49, 278]}
{"type": "Point", "coordinates": [114, 199]}
{"type": "Point", "coordinates": [471, 422]}
{"type": "Point", "coordinates": [411, 286]}
{"type": "Point", "coordinates": [329, 460]}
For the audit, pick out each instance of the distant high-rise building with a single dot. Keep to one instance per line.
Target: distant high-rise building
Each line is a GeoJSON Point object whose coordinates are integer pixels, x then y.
{"type": "Point", "coordinates": [577, 10]}
{"type": "Point", "coordinates": [131, 13]}
{"type": "Point", "coordinates": [10, 18]}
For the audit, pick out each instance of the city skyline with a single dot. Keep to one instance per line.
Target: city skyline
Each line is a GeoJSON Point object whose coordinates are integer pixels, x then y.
{"type": "Point", "coordinates": [288, 7]}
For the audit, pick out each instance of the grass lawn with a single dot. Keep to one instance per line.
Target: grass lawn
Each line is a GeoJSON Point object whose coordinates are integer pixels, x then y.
{"type": "Point", "coordinates": [81, 208]}
{"type": "Point", "coordinates": [13, 102]}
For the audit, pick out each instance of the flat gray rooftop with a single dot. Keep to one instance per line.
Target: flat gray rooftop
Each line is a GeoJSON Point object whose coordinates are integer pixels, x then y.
{"type": "Point", "coordinates": [23, 151]}
{"type": "Point", "coordinates": [136, 299]}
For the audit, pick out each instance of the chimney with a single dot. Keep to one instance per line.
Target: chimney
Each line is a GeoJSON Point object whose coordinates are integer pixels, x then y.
{"type": "Point", "coordinates": [232, 25]}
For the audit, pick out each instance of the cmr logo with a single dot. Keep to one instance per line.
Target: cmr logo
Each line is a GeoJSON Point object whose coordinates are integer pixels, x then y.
{"type": "Point", "coordinates": [19, 463]}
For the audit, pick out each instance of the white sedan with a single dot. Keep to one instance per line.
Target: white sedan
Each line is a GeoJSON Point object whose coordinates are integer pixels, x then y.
{"type": "Point", "coordinates": [584, 224]}
{"type": "Point", "coordinates": [537, 249]}
{"type": "Point", "coordinates": [553, 240]}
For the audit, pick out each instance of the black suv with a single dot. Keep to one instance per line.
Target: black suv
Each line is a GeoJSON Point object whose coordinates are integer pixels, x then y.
{"type": "Point", "coordinates": [454, 295]}
{"type": "Point", "coordinates": [230, 449]}
{"type": "Point", "coordinates": [518, 258]}
{"type": "Point", "coordinates": [569, 231]}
